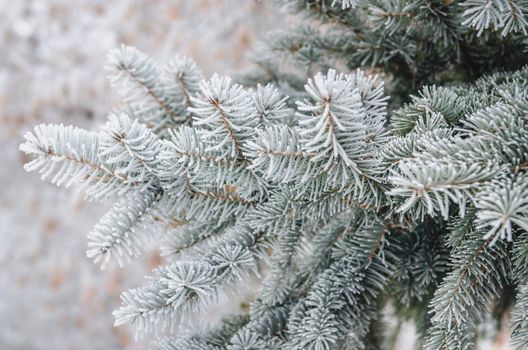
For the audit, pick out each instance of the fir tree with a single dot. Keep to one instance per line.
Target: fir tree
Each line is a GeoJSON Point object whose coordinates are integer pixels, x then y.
{"type": "Point", "coordinates": [407, 188]}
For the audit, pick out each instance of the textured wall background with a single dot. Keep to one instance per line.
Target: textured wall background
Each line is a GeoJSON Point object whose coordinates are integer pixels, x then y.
{"type": "Point", "coordinates": [52, 54]}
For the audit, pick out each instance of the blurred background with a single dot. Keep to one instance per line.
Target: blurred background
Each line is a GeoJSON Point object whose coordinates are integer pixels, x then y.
{"type": "Point", "coordinates": [52, 54]}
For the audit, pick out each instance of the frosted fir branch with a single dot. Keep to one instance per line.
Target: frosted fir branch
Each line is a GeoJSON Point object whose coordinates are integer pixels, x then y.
{"type": "Point", "coordinates": [500, 125]}
{"type": "Point", "coordinates": [374, 100]}
{"type": "Point", "coordinates": [195, 194]}
{"type": "Point", "coordinates": [180, 289]}
{"type": "Point", "coordinates": [310, 247]}
{"type": "Point", "coordinates": [519, 319]}
{"type": "Point", "coordinates": [290, 206]}
{"type": "Point", "coordinates": [225, 115]}
{"type": "Point", "coordinates": [320, 327]}
{"type": "Point", "coordinates": [490, 120]}
{"type": "Point", "coordinates": [345, 127]}
{"type": "Point", "coordinates": [433, 106]}
{"type": "Point", "coordinates": [286, 247]}
{"type": "Point", "coordinates": [248, 339]}
{"type": "Point", "coordinates": [466, 291]}
{"type": "Point", "coordinates": [520, 258]}
{"type": "Point", "coordinates": [275, 214]}
{"type": "Point", "coordinates": [423, 259]}
{"type": "Point", "coordinates": [461, 227]}
{"type": "Point", "coordinates": [507, 15]}
{"type": "Point", "coordinates": [331, 201]}
{"type": "Point", "coordinates": [268, 321]}
{"type": "Point", "coordinates": [392, 16]}
{"type": "Point", "coordinates": [130, 147]}
{"type": "Point", "coordinates": [332, 127]}
{"type": "Point", "coordinates": [281, 279]}
{"type": "Point", "coordinates": [501, 205]}
{"type": "Point", "coordinates": [211, 338]}
{"type": "Point", "coordinates": [346, 4]}
{"type": "Point", "coordinates": [208, 204]}
{"type": "Point", "coordinates": [276, 152]}
{"type": "Point", "coordinates": [188, 152]}
{"type": "Point", "coordinates": [461, 336]}
{"type": "Point", "coordinates": [135, 75]}
{"type": "Point", "coordinates": [335, 305]}
{"type": "Point", "coordinates": [126, 229]}
{"type": "Point", "coordinates": [191, 237]}
{"type": "Point", "coordinates": [229, 259]}
{"type": "Point", "coordinates": [316, 255]}
{"type": "Point", "coordinates": [68, 156]}
{"type": "Point", "coordinates": [158, 98]}
{"type": "Point", "coordinates": [402, 148]}
{"type": "Point", "coordinates": [429, 122]}
{"type": "Point", "coordinates": [304, 193]}
{"type": "Point", "coordinates": [179, 80]}
{"type": "Point", "coordinates": [458, 148]}
{"type": "Point", "coordinates": [186, 287]}
{"type": "Point", "coordinates": [270, 105]}
{"type": "Point", "coordinates": [277, 286]}
{"type": "Point", "coordinates": [300, 47]}
{"type": "Point", "coordinates": [430, 187]}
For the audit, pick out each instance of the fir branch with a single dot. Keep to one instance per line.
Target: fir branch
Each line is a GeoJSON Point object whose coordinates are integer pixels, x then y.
{"type": "Point", "coordinates": [479, 273]}
{"type": "Point", "coordinates": [225, 114]}
{"type": "Point", "coordinates": [125, 229]}
{"type": "Point", "coordinates": [72, 156]}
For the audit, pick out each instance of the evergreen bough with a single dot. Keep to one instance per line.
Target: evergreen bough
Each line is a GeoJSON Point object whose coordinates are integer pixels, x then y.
{"type": "Point", "coordinates": [406, 190]}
